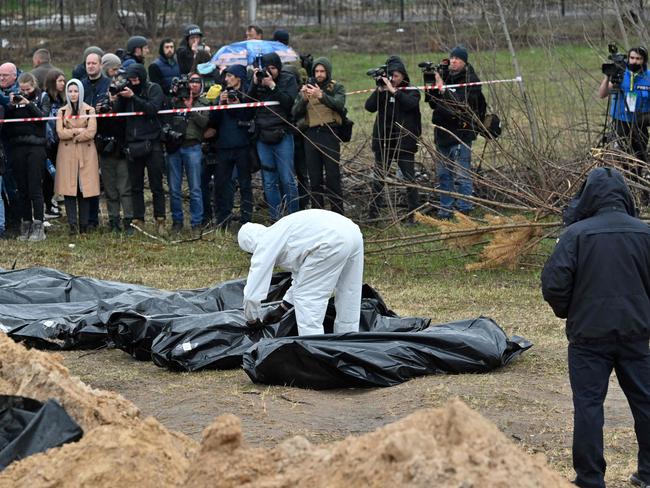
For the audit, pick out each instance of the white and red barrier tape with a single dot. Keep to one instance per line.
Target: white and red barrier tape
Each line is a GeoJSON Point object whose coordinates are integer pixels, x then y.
{"type": "Point", "coordinates": [160, 112]}
{"type": "Point", "coordinates": [246, 105]}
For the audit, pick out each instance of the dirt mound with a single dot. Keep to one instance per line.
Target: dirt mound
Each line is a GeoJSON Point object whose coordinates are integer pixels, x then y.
{"type": "Point", "coordinates": [145, 455]}
{"type": "Point", "coordinates": [41, 375]}
{"type": "Point", "coordinates": [452, 446]}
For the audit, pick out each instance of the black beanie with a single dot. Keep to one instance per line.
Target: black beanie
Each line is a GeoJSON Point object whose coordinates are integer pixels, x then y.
{"type": "Point", "coordinates": [272, 59]}
{"type": "Point", "coordinates": [459, 52]}
{"type": "Point", "coordinates": [282, 36]}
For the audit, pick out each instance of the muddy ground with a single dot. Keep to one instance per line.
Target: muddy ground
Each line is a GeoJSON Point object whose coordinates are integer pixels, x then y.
{"type": "Point", "coordinates": [526, 400]}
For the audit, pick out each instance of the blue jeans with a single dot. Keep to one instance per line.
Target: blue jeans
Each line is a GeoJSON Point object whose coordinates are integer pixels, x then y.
{"type": "Point", "coordinates": [453, 168]}
{"type": "Point", "coordinates": [189, 158]}
{"type": "Point", "coordinates": [279, 180]}
{"type": "Point", "coordinates": [2, 209]}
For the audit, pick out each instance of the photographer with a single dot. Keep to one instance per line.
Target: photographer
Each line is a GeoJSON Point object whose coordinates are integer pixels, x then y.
{"type": "Point", "coordinates": [27, 150]}
{"type": "Point", "coordinates": [191, 44]}
{"type": "Point", "coordinates": [233, 148]}
{"type": "Point", "coordinates": [110, 147]}
{"type": "Point", "coordinates": [455, 114]}
{"type": "Point", "coordinates": [275, 141]}
{"type": "Point", "coordinates": [321, 103]}
{"type": "Point", "coordinates": [137, 47]}
{"type": "Point", "coordinates": [396, 130]}
{"type": "Point", "coordinates": [630, 107]}
{"type": "Point", "coordinates": [182, 137]}
{"type": "Point", "coordinates": [143, 148]}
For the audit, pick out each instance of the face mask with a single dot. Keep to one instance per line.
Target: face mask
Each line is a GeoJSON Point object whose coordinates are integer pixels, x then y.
{"type": "Point", "coordinates": [634, 67]}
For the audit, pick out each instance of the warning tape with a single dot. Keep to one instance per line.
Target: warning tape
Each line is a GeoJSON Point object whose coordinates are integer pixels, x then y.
{"type": "Point", "coordinates": [160, 112]}
{"type": "Point", "coordinates": [517, 79]}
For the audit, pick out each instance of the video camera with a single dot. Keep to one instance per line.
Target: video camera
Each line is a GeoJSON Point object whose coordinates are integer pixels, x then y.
{"type": "Point", "coordinates": [429, 70]}
{"type": "Point", "coordinates": [180, 87]}
{"type": "Point", "coordinates": [378, 74]}
{"type": "Point", "coordinates": [615, 70]}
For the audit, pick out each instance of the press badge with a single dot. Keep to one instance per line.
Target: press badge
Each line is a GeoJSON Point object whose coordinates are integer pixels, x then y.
{"type": "Point", "coordinates": [630, 101]}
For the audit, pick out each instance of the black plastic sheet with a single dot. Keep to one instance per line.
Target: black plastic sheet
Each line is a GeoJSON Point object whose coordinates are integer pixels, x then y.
{"type": "Point", "coordinates": [192, 330]}
{"type": "Point", "coordinates": [382, 358]}
{"type": "Point", "coordinates": [28, 426]}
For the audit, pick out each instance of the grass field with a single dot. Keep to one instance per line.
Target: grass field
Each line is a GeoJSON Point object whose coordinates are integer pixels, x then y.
{"type": "Point", "coordinates": [529, 400]}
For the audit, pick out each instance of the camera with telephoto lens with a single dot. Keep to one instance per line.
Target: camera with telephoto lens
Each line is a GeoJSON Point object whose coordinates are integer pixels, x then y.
{"type": "Point", "coordinates": [615, 69]}
{"type": "Point", "coordinates": [118, 86]}
{"type": "Point", "coordinates": [378, 74]}
{"type": "Point", "coordinates": [429, 70]}
{"type": "Point", "coordinates": [170, 136]}
{"type": "Point", "coordinates": [180, 87]}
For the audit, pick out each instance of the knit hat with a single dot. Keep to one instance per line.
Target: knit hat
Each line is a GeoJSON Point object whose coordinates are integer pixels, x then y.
{"type": "Point", "coordinates": [93, 50]}
{"type": "Point", "coordinates": [237, 70]}
{"type": "Point", "coordinates": [459, 52]}
{"type": "Point", "coordinates": [282, 36]}
{"type": "Point", "coordinates": [109, 61]}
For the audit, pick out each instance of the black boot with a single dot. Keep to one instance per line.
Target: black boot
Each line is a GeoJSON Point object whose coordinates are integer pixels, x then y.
{"type": "Point", "coordinates": [115, 226]}
{"type": "Point", "coordinates": [128, 230]}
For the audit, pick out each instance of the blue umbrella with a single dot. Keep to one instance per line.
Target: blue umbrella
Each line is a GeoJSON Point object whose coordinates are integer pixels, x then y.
{"type": "Point", "coordinates": [245, 52]}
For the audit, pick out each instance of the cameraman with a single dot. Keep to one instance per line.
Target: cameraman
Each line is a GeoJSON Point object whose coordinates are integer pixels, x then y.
{"type": "Point", "coordinates": [143, 148]}
{"type": "Point", "coordinates": [110, 147]}
{"type": "Point", "coordinates": [233, 148]}
{"type": "Point", "coordinates": [630, 106]}
{"type": "Point", "coordinates": [395, 132]}
{"type": "Point", "coordinates": [455, 112]}
{"type": "Point", "coordinates": [321, 103]}
{"type": "Point", "coordinates": [275, 140]}
{"type": "Point", "coordinates": [183, 146]}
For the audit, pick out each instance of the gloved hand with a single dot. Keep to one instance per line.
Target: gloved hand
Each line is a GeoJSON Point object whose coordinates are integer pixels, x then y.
{"type": "Point", "coordinates": [274, 315]}
{"type": "Point", "coordinates": [254, 324]}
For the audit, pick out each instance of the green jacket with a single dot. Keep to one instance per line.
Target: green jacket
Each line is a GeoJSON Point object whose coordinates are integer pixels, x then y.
{"type": "Point", "coordinates": [333, 93]}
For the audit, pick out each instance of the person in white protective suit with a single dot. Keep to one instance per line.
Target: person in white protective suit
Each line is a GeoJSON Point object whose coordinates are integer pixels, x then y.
{"type": "Point", "coordinates": [324, 252]}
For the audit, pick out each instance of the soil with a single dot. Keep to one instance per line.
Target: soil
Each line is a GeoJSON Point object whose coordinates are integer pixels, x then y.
{"type": "Point", "coordinates": [450, 446]}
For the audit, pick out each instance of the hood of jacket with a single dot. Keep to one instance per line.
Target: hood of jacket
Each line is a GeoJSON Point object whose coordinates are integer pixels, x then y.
{"type": "Point", "coordinates": [80, 86]}
{"type": "Point", "coordinates": [249, 235]}
{"type": "Point", "coordinates": [603, 188]}
{"type": "Point", "coordinates": [395, 63]}
{"type": "Point", "coordinates": [328, 68]}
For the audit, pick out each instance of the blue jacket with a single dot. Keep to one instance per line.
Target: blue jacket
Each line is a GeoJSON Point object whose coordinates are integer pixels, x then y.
{"type": "Point", "coordinates": [231, 134]}
{"type": "Point", "coordinates": [637, 84]}
{"type": "Point", "coordinates": [161, 71]}
{"type": "Point", "coordinates": [598, 276]}
{"type": "Point", "coordinates": [96, 92]}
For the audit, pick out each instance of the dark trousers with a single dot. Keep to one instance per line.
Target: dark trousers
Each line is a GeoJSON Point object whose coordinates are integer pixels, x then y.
{"type": "Point", "coordinates": [155, 165]}
{"type": "Point", "coordinates": [323, 152]}
{"type": "Point", "coordinates": [224, 187]}
{"type": "Point", "coordinates": [301, 170]}
{"type": "Point", "coordinates": [28, 165]}
{"type": "Point", "coordinates": [117, 186]}
{"type": "Point", "coordinates": [208, 182]}
{"type": "Point", "coordinates": [406, 162]}
{"type": "Point", "coordinates": [590, 367]}
{"type": "Point", "coordinates": [80, 204]}
{"type": "Point", "coordinates": [48, 179]}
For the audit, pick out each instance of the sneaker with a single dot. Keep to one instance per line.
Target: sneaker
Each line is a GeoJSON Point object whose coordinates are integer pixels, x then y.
{"type": "Point", "coordinates": [38, 231]}
{"type": "Point", "coordinates": [177, 227]}
{"type": "Point", "coordinates": [197, 231]}
{"type": "Point", "coordinates": [52, 213]}
{"type": "Point", "coordinates": [636, 481]}
{"type": "Point", "coordinates": [25, 230]}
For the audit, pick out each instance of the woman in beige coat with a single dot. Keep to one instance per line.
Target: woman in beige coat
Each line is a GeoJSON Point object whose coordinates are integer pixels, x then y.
{"type": "Point", "coordinates": [77, 165]}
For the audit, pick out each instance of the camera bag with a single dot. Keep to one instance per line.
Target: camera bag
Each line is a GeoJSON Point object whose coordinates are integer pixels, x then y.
{"type": "Point", "coordinates": [138, 149]}
{"type": "Point", "coordinates": [272, 135]}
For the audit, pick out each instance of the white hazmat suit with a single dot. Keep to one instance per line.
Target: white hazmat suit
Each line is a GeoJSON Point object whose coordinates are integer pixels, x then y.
{"type": "Point", "coordinates": [324, 253]}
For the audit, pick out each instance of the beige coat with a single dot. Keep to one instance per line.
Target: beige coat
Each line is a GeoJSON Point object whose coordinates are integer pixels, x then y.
{"type": "Point", "coordinates": [76, 159]}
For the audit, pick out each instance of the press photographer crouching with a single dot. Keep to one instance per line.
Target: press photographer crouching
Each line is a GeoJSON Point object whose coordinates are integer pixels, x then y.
{"type": "Point", "coordinates": [143, 148]}
{"type": "Point", "coordinates": [182, 136]}
{"type": "Point", "coordinates": [110, 142]}
{"type": "Point", "coordinates": [628, 83]}
{"type": "Point", "coordinates": [233, 148]}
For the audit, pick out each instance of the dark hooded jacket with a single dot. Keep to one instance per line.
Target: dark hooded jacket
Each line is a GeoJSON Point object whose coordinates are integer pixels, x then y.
{"type": "Point", "coordinates": [598, 276]}
{"type": "Point", "coordinates": [333, 93]}
{"type": "Point", "coordinates": [163, 70]}
{"type": "Point", "coordinates": [26, 133]}
{"type": "Point", "coordinates": [458, 109]}
{"type": "Point", "coordinates": [398, 122]}
{"type": "Point", "coordinates": [148, 98]}
{"type": "Point", "coordinates": [285, 92]}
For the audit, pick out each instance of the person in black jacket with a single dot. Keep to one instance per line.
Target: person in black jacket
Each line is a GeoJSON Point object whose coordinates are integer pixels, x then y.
{"type": "Point", "coordinates": [143, 147]}
{"type": "Point", "coordinates": [275, 140]}
{"type": "Point", "coordinates": [455, 114]}
{"type": "Point", "coordinates": [233, 148]}
{"type": "Point", "coordinates": [3, 159]}
{"type": "Point", "coordinates": [165, 67]}
{"type": "Point", "coordinates": [395, 132]}
{"type": "Point", "coordinates": [191, 44]}
{"type": "Point", "coordinates": [598, 279]}
{"type": "Point", "coordinates": [27, 145]}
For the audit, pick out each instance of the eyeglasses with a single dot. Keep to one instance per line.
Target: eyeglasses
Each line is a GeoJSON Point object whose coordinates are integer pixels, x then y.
{"type": "Point", "coordinates": [195, 80]}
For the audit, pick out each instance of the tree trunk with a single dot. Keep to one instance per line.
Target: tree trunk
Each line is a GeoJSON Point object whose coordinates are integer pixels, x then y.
{"type": "Point", "coordinates": [106, 14]}
{"type": "Point", "coordinates": [151, 8]}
